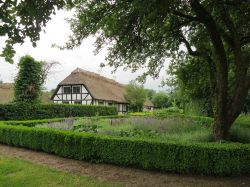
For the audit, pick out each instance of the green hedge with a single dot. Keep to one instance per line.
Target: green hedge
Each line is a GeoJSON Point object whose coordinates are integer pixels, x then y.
{"type": "Point", "coordinates": [201, 158]}
{"type": "Point", "coordinates": [46, 111]}
{"type": "Point", "coordinates": [32, 123]}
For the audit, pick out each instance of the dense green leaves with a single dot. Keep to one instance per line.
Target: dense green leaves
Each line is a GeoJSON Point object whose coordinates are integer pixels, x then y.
{"type": "Point", "coordinates": [161, 100]}
{"type": "Point", "coordinates": [136, 96]}
{"type": "Point", "coordinates": [143, 34]}
{"type": "Point", "coordinates": [22, 111]}
{"type": "Point", "coordinates": [29, 80]}
{"type": "Point", "coordinates": [24, 19]}
{"type": "Point", "coordinates": [202, 158]}
{"type": "Point", "coordinates": [150, 93]}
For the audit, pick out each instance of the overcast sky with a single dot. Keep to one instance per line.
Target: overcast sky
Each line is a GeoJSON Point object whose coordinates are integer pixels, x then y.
{"type": "Point", "coordinates": [57, 31]}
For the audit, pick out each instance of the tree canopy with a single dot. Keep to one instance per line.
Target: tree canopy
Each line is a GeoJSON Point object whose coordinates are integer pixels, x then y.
{"type": "Point", "coordinates": [143, 34]}
{"type": "Point", "coordinates": [28, 81]}
{"type": "Point", "coordinates": [24, 19]}
{"type": "Point", "coordinates": [136, 96]}
{"type": "Point", "coordinates": [161, 100]}
{"type": "Point", "coordinates": [150, 93]}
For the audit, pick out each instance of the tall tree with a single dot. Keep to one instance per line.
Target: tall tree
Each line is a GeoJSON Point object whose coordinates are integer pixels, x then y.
{"type": "Point", "coordinates": [136, 96]}
{"type": "Point", "coordinates": [24, 19]}
{"type": "Point", "coordinates": [144, 33]}
{"type": "Point", "coordinates": [28, 81]}
{"type": "Point", "coordinates": [150, 93]}
{"type": "Point", "coordinates": [161, 100]}
{"type": "Point", "coordinates": [190, 80]}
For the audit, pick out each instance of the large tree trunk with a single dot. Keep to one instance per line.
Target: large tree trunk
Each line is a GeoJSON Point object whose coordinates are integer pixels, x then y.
{"type": "Point", "coordinates": [227, 108]}
{"type": "Point", "coordinates": [220, 130]}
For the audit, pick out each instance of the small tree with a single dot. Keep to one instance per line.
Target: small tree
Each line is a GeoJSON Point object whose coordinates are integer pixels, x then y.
{"type": "Point", "coordinates": [136, 96]}
{"type": "Point", "coordinates": [29, 80]}
{"type": "Point", "coordinates": [150, 93]}
{"type": "Point", "coordinates": [161, 100]}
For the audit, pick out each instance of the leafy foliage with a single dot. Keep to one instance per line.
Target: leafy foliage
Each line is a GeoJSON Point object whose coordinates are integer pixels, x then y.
{"type": "Point", "coordinates": [161, 100]}
{"type": "Point", "coordinates": [136, 96]}
{"type": "Point", "coordinates": [143, 34]}
{"type": "Point", "coordinates": [24, 19]}
{"type": "Point", "coordinates": [28, 81]}
{"type": "Point", "coordinates": [202, 158]}
{"type": "Point", "coordinates": [22, 111]}
{"type": "Point", "coordinates": [150, 93]}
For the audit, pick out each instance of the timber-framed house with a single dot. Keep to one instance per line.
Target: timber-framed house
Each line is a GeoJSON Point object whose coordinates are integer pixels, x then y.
{"type": "Point", "coordinates": [84, 87]}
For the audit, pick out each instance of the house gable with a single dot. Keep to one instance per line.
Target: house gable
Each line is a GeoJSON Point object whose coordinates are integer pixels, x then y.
{"type": "Point", "coordinates": [72, 94]}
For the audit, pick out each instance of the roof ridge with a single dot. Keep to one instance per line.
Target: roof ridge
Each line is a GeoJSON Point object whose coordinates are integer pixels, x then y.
{"type": "Point", "coordinates": [96, 75]}
{"type": "Point", "coordinates": [6, 85]}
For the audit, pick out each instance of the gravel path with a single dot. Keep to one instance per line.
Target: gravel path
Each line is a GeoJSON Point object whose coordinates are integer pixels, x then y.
{"type": "Point", "coordinates": [122, 175]}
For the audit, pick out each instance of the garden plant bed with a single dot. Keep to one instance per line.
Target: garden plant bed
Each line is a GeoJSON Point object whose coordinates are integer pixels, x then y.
{"type": "Point", "coordinates": [176, 143]}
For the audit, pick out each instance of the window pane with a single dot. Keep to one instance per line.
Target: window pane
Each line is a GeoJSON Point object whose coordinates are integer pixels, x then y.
{"type": "Point", "coordinates": [76, 89]}
{"type": "Point", "coordinates": [66, 90]}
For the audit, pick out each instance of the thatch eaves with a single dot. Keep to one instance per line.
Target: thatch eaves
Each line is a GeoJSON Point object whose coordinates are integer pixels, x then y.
{"type": "Point", "coordinates": [6, 92]}
{"type": "Point", "coordinates": [148, 103]}
{"type": "Point", "coordinates": [101, 88]}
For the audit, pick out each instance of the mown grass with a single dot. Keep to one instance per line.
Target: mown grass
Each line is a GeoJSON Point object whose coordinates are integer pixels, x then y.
{"type": "Point", "coordinates": [16, 173]}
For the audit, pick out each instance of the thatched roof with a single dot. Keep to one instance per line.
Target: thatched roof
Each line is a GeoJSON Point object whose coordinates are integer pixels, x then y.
{"type": "Point", "coordinates": [101, 88]}
{"type": "Point", "coordinates": [148, 103]}
{"type": "Point", "coordinates": [6, 92]}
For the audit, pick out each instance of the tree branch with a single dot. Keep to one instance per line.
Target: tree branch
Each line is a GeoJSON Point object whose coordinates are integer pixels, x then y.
{"type": "Point", "coordinates": [245, 40]}
{"type": "Point", "coordinates": [188, 46]}
{"type": "Point", "coordinates": [235, 2]}
{"type": "Point", "coordinates": [192, 18]}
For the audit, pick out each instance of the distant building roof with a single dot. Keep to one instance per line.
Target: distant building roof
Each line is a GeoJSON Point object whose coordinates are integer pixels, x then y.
{"type": "Point", "coordinates": [148, 103]}
{"type": "Point", "coordinates": [6, 92]}
{"type": "Point", "coordinates": [101, 88]}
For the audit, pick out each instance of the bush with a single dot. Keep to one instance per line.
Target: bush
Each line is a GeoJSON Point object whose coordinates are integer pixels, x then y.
{"type": "Point", "coordinates": [22, 111]}
{"type": "Point", "coordinates": [201, 158]}
{"type": "Point", "coordinates": [167, 111]}
{"type": "Point", "coordinates": [32, 123]}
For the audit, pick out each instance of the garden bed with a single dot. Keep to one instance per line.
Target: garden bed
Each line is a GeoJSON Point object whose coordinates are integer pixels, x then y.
{"type": "Point", "coordinates": [174, 156]}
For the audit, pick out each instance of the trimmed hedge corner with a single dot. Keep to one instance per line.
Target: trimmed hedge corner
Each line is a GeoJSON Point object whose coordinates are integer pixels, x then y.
{"type": "Point", "coordinates": [45, 111]}
{"type": "Point", "coordinates": [201, 158]}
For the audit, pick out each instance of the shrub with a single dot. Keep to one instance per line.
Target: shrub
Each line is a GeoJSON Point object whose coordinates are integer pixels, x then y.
{"type": "Point", "coordinates": [22, 111]}
{"type": "Point", "coordinates": [167, 111]}
{"type": "Point", "coordinates": [202, 158]}
{"type": "Point", "coordinates": [32, 123]}
{"type": "Point", "coordinates": [29, 80]}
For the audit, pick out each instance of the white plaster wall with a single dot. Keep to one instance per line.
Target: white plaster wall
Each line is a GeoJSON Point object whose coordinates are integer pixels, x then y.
{"type": "Point", "coordinates": [60, 90]}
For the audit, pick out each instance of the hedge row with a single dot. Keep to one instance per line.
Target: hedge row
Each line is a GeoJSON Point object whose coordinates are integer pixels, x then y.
{"type": "Point", "coordinates": [46, 111]}
{"type": "Point", "coordinates": [208, 159]}
{"type": "Point", "coordinates": [32, 123]}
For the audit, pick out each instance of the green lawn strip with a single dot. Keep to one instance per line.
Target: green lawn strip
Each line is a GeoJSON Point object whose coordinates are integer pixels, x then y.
{"type": "Point", "coordinates": [15, 173]}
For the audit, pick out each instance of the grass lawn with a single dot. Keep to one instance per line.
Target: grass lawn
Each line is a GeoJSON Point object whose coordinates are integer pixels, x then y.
{"type": "Point", "coordinates": [15, 173]}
